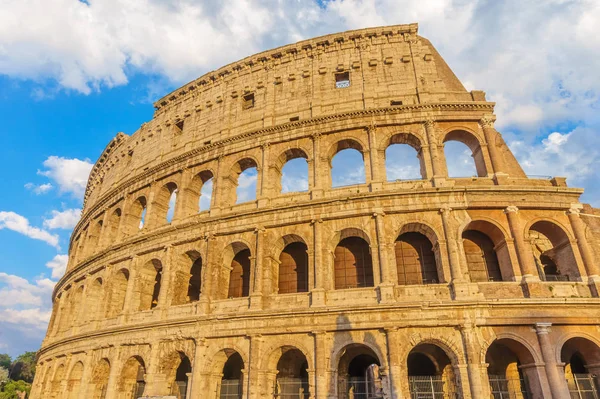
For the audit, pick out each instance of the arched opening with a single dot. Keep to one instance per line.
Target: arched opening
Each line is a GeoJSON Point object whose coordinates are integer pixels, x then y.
{"type": "Point", "coordinates": [463, 155]}
{"type": "Point", "coordinates": [65, 310]}
{"type": "Point", "coordinates": [133, 379]}
{"type": "Point", "coordinates": [163, 206]}
{"type": "Point", "coordinates": [415, 260]}
{"type": "Point", "coordinates": [358, 373]}
{"type": "Point", "coordinates": [180, 386]}
{"type": "Point", "coordinates": [293, 268]}
{"type": "Point", "coordinates": [93, 239]}
{"type": "Point", "coordinates": [347, 164]}
{"type": "Point", "coordinates": [149, 282]}
{"type": "Point", "coordinates": [113, 227]}
{"type": "Point", "coordinates": [582, 365]}
{"type": "Point", "coordinates": [74, 381]}
{"type": "Point", "coordinates": [400, 162]}
{"type": "Point", "coordinates": [172, 202]}
{"type": "Point", "coordinates": [232, 379]}
{"type": "Point", "coordinates": [245, 175]}
{"type": "Point", "coordinates": [482, 260]}
{"type": "Point", "coordinates": [506, 375]}
{"type": "Point", "coordinates": [99, 380]}
{"type": "Point", "coordinates": [195, 281]}
{"type": "Point", "coordinates": [136, 217]}
{"type": "Point", "coordinates": [116, 302]}
{"type": "Point", "coordinates": [200, 190]}
{"type": "Point", "coordinates": [553, 253]}
{"type": "Point", "coordinates": [76, 311]}
{"type": "Point", "coordinates": [292, 375]}
{"type": "Point", "coordinates": [353, 266]}
{"type": "Point", "coordinates": [59, 375]}
{"type": "Point", "coordinates": [239, 277]}
{"type": "Point", "coordinates": [430, 373]}
{"type": "Point", "coordinates": [93, 301]}
{"type": "Point", "coordinates": [294, 171]}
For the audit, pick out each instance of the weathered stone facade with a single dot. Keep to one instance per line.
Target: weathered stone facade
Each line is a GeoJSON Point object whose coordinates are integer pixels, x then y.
{"type": "Point", "coordinates": [459, 285]}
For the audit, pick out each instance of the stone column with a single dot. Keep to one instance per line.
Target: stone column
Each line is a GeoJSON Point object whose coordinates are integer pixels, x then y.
{"type": "Point", "coordinates": [587, 255]}
{"type": "Point", "coordinates": [187, 199]}
{"type": "Point", "coordinates": [129, 301]}
{"type": "Point", "coordinates": [86, 376]}
{"type": "Point", "coordinates": [323, 372]}
{"type": "Point", "coordinates": [318, 168]}
{"type": "Point", "coordinates": [528, 269]}
{"type": "Point", "coordinates": [318, 291]}
{"type": "Point", "coordinates": [453, 255]}
{"type": "Point", "coordinates": [165, 279]}
{"type": "Point", "coordinates": [197, 380]}
{"type": "Point", "coordinates": [156, 382]}
{"type": "Point", "coordinates": [474, 364]}
{"type": "Point", "coordinates": [256, 295]}
{"type": "Point", "coordinates": [436, 162]}
{"type": "Point", "coordinates": [397, 373]}
{"type": "Point", "coordinates": [558, 384]}
{"type": "Point", "coordinates": [263, 171]}
{"type": "Point", "coordinates": [113, 376]}
{"type": "Point", "coordinates": [207, 268]}
{"type": "Point", "coordinates": [490, 134]}
{"type": "Point", "coordinates": [252, 382]}
{"type": "Point", "coordinates": [388, 278]}
{"type": "Point", "coordinates": [376, 172]}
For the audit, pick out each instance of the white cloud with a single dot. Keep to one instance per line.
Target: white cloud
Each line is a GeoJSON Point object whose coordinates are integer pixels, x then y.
{"type": "Point", "coordinates": [22, 302]}
{"type": "Point", "coordinates": [71, 174]}
{"type": "Point", "coordinates": [58, 264]}
{"type": "Point", "coordinates": [66, 219]}
{"type": "Point", "coordinates": [39, 189]}
{"type": "Point", "coordinates": [20, 224]}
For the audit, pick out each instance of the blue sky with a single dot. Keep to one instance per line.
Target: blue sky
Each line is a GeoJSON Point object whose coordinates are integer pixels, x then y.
{"type": "Point", "coordinates": [76, 73]}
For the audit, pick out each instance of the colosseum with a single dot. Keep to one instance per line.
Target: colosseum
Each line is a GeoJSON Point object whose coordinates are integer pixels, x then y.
{"type": "Point", "coordinates": [436, 287]}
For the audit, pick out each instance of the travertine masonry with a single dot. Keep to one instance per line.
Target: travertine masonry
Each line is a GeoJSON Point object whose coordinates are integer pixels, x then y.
{"type": "Point", "coordinates": [476, 287]}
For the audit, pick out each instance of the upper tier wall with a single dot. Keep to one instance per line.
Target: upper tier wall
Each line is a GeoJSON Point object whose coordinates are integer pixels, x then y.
{"type": "Point", "coordinates": [293, 82]}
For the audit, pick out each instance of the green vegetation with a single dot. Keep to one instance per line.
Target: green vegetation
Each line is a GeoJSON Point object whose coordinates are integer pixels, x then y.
{"type": "Point", "coordinates": [16, 376]}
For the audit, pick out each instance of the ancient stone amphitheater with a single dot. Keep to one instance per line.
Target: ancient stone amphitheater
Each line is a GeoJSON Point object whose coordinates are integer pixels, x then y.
{"type": "Point", "coordinates": [438, 287]}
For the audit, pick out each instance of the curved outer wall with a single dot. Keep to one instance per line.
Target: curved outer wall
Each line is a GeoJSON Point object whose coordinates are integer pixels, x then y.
{"type": "Point", "coordinates": [126, 296]}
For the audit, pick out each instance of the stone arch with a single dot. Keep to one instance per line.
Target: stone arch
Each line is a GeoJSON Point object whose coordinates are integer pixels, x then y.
{"type": "Point", "coordinates": [510, 368]}
{"type": "Point", "coordinates": [57, 379]}
{"type": "Point", "coordinates": [99, 381]}
{"type": "Point", "coordinates": [432, 365]}
{"type": "Point", "coordinates": [234, 278]}
{"type": "Point", "coordinates": [292, 272]}
{"type": "Point", "coordinates": [76, 305]}
{"type": "Point", "coordinates": [345, 144]}
{"type": "Point", "coordinates": [74, 381]}
{"type": "Point", "coordinates": [194, 190]}
{"type": "Point", "coordinates": [486, 251]}
{"type": "Point", "coordinates": [93, 238]}
{"type": "Point", "coordinates": [162, 203]}
{"type": "Point", "coordinates": [112, 227]}
{"type": "Point", "coordinates": [231, 365]}
{"type": "Point", "coordinates": [472, 141]}
{"type": "Point", "coordinates": [229, 184]}
{"type": "Point", "coordinates": [280, 162]}
{"type": "Point", "coordinates": [177, 367]}
{"type": "Point", "coordinates": [357, 367]}
{"type": "Point", "coordinates": [132, 380]}
{"type": "Point", "coordinates": [66, 304]}
{"type": "Point", "coordinates": [149, 280]}
{"type": "Point", "coordinates": [289, 367]}
{"type": "Point", "coordinates": [552, 250]}
{"type": "Point", "coordinates": [115, 302]}
{"type": "Point", "coordinates": [136, 215]}
{"type": "Point", "coordinates": [352, 260]}
{"type": "Point", "coordinates": [93, 300]}
{"type": "Point", "coordinates": [405, 139]}
{"type": "Point", "coordinates": [581, 357]}
{"type": "Point", "coordinates": [418, 259]}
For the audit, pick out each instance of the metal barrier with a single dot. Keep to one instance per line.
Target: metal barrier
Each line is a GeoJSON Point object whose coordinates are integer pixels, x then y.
{"type": "Point", "coordinates": [430, 387]}
{"type": "Point", "coordinates": [503, 388]}
{"type": "Point", "coordinates": [291, 388]}
{"type": "Point", "coordinates": [583, 386]}
{"type": "Point", "coordinates": [231, 389]}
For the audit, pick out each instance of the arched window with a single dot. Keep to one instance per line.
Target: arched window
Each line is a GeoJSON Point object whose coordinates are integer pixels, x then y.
{"type": "Point", "coordinates": [163, 206]}
{"type": "Point", "coordinates": [180, 386]}
{"type": "Point", "coordinates": [482, 260]}
{"type": "Point", "coordinates": [353, 266]}
{"type": "Point", "coordinates": [415, 260]}
{"type": "Point", "coordinates": [136, 217]}
{"type": "Point", "coordinates": [149, 284]}
{"type": "Point", "coordinates": [581, 357]}
{"type": "Point", "coordinates": [293, 268]}
{"type": "Point", "coordinates": [292, 375]}
{"type": "Point", "coordinates": [294, 175]}
{"type": "Point", "coordinates": [113, 226]}
{"type": "Point", "coordinates": [132, 382]}
{"type": "Point", "coordinates": [232, 380]}
{"type": "Point", "coordinates": [552, 251]}
{"type": "Point", "coordinates": [93, 239]}
{"type": "Point", "coordinates": [93, 301]}
{"type": "Point", "coordinates": [206, 193]}
{"type": "Point", "coordinates": [430, 372]}
{"type": "Point", "coordinates": [463, 155]}
{"type": "Point", "coordinates": [358, 373]}
{"type": "Point", "coordinates": [74, 381]}
{"type": "Point", "coordinates": [245, 174]}
{"type": "Point", "coordinates": [239, 277]}
{"type": "Point", "coordinates": [403, 159]}
{"type": "Point", "coordinates": [505, 374]}
{"type": "Point", "coordinates": [195, 282]}
{"type": "Point", "coordinates": [172, 202]}
{"type": "Point", "coordinates": [99, 380]}
{"type": "Point", "coordinates": [116, 302]}
{"type": "Point", "coordinates": [59, 375]}
{"type": "Point", "coordinates": [347, 163]}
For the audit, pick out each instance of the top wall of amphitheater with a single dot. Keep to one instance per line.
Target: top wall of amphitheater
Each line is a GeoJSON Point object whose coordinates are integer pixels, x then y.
{"type": "Point", "coordinates": [288, 84]}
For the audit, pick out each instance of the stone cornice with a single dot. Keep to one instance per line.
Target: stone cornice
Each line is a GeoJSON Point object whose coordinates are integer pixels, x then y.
{"type": "Point", "coordinates": [486, 107]}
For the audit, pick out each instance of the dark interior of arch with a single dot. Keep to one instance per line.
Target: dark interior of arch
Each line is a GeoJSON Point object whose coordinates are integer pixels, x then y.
{"type": "Point", "coordinates": [359, 364]}
{"type": "Point", "coordinates": [293, 269]}
{"type": "Point", "coordinates": [195, 282]}
{"type": "Point", "coordinates": [232, 370]}
{"type": "Point", "coordinates": [415, 260]}
{"type": "Point", "coordinates": [239, 280]}
{"type": "Point", "coordinates": [427, 360]}
{"type": "Point", "coordinates": [482, 260]}
{"type": "Point", "coordinates": [353, 264]}
{"type": "Point", "coordinates": [292, 364]}
{"type": "Point", "coordinates": [184, 368]}
{"type": "Point", "coordinates": [420, 365]}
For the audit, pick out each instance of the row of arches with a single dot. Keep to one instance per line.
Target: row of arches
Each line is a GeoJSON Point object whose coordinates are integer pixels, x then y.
{"type": "Point", "coordinates": [361, 371]}
{"type": "Point", "coordinates": [417, 255]}
{"type": "Point", "coordinates": [402, 154]}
